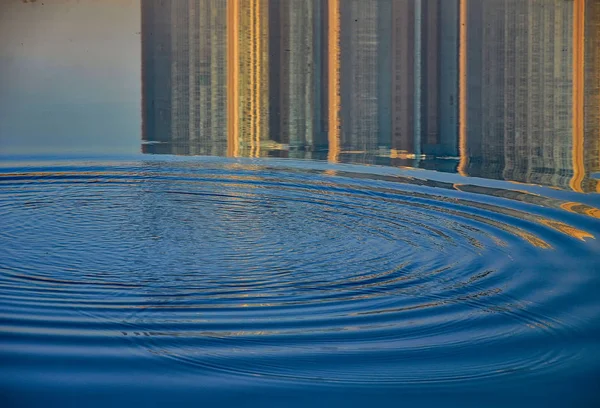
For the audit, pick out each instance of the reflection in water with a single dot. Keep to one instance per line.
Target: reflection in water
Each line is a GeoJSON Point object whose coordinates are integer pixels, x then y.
{"type": "Point", "coordinates": [503, 88]}
{"type": "Point", "coordinates": [183, 279]}
{"type": "Point", "coordinates": [164, 281]}
{"type": "Point", "coordinates": [334, 79]}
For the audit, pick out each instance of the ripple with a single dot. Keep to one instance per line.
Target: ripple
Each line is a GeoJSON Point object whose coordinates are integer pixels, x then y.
{"type": "Point", "coordinates": [292, 273]}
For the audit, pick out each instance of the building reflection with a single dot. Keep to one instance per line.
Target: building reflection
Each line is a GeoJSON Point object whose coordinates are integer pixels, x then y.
{"type": "Point", "coordinates": [591, 117]}
{"type": "Point", "coordinates": [491, 88]}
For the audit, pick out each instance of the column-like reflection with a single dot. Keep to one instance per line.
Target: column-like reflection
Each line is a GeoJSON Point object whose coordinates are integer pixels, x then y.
{"type": "Point", "coordinates": [253, 60]}
{"type": "Point", "coordinates": [233, 57]}
{"type": "Point", "coordinates": [333, 20]}
{"type": "Point", "coordinates": [578, 92]}
{"type": "Point", "coordinates": [462, 165]}
{"type": "Point", "coordinates": [500, 88]}
{"type": "Point", "coordinates": [591, 150]}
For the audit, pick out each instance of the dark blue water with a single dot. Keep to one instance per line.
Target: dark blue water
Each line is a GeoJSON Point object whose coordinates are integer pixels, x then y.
{"type": "Point", "coordinates": [204, 281]}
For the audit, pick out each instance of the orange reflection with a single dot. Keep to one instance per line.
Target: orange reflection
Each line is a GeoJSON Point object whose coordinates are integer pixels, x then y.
{"type": "Point", "coordinates": [247, 76]}
{"type": "Point", "coordinates": [579, 208]}
{"type": "Point", "coordinates": [462, 97]}
{"type": "Point", "coordinates": [532, 239]}
{"type": "Point", "coordinates": [578, 93]}
{"type": "Point", "coordinates": [257, 57]}
{"type": "Point", "coordinates": [334, 79]}
{"type": "Point", "coordinates": [401, 154]}
{"type": "Point", "coordinates": [566, 229]}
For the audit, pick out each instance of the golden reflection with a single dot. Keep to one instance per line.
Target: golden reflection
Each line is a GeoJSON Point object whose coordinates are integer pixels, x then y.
{"type": "Point", "coordinates": [579, 208]}
{"type": "Point", "coordinates": [334, 99]}
{"type": "Point", "coordinates": [566, 229]}
{"type": "Point", "coordinates": [576, 208]}
{"type": "Point", "coordinates": [462, 98]}
{"type": "Point", "coordinates": [578, 93]}
{"type": "Point", "coordinates": [257, 56]}
{"type": "Point", "coordinates": [401, 154]}
{"type": "Point", "coordinates": [528, 197]}
{"type": "Point", "coordinates": [247, 86]}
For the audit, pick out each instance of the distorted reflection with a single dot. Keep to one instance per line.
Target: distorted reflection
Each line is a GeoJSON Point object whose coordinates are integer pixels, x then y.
{"type": "Point", "coordinates": [490, 88]}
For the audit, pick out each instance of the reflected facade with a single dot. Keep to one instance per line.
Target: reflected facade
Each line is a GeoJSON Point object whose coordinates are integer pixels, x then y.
{"type": "Point", "coordinates": [521, 88]}
{"type": "Point", "coordinates": [492, 88]}
{"type": "Point", "coordinates": [296, 49]}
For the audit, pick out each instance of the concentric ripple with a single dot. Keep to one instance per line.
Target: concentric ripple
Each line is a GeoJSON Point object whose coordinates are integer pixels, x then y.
{"type": "Point", "coordinates": [274, 273]}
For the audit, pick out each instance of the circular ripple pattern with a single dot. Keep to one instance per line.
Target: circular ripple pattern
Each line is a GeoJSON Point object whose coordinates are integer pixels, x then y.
{"type": "Point", "coordinates": [274, 275]}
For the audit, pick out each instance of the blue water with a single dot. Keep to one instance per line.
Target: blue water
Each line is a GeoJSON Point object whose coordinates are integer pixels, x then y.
{"type": "Point", "coordinates": [164, 281]}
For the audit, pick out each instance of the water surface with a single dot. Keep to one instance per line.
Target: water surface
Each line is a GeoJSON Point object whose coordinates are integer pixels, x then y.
{"type": "Point", "coordinates": [390, 203]}
{"type": "Point", "coordinates": [161, 280]}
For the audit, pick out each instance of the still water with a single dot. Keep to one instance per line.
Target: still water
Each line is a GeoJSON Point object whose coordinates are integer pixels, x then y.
{"type": "Point", "coordinates": [336, 203]}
